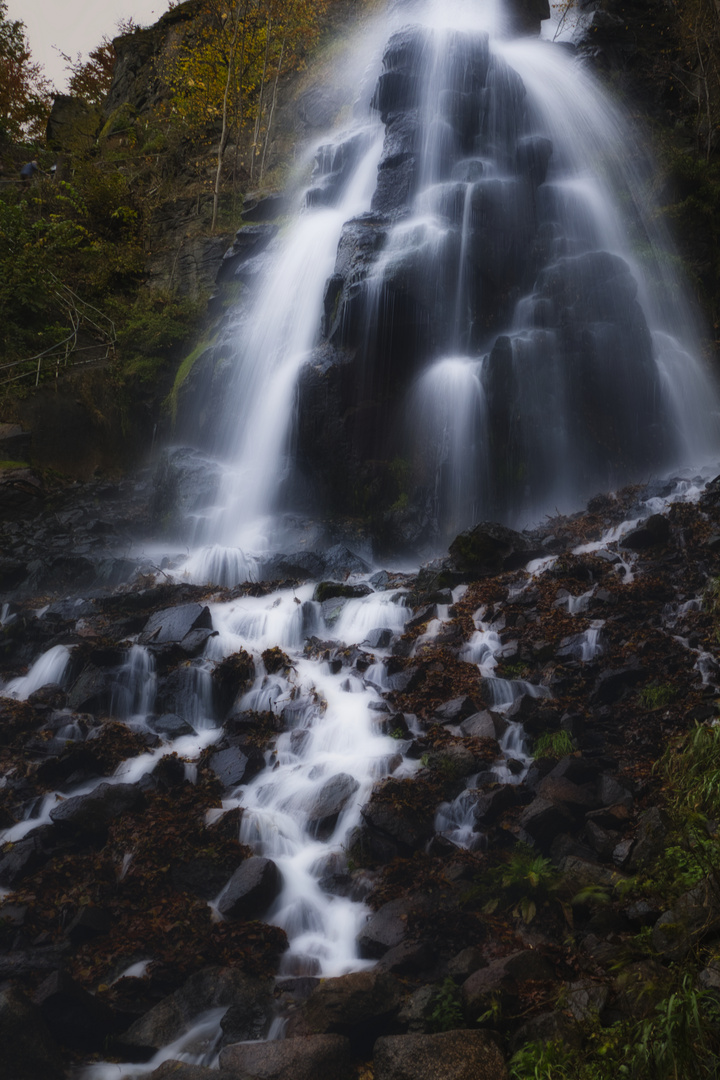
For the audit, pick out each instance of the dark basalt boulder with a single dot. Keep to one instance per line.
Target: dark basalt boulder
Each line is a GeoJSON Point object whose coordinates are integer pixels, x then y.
{"type": "Point", "coordinates": [490, 548]}
{"type": "Point", "coordinates": [457, 710]}
{"type": "Point", "coordinates": [384, 930]}
{"type": "Point", "coordinates": [251, 890]}
{"type": "Point", "coordinates": [29, 1051]}
{"type": "Point", "coordinates": [361, 1006]}
{"type": "Point", "coordinates": [74, 1017]}
{"type": "Point", "coordinates": [22, 858]}
{"type": "Point", "coordinates": [331, 800]}
{"type": "Point", "coordinates": [502, 977]}
{"type": "Point", "coordinates": [543, 820]}
{"type": "Point", "coordinates": [651, 532]}
{"type": "Point", "coordinates": [307, 1058]}
{"type": "Point", "coordinates": [171, 726]}
{"type": "Point", "coordinates": [172, 625]}
{"type": "Point", "coordinates": [449, 1055]}
{"type": "Point", "coordinates": [209, 988]}
{"type": "Point", "coordinates": [90, 815]}
{"type": "Point", "coordinates": [406, 822]}
{"type": "Point", "coordinates": [233, 767]}
{"type": "Point", "coordinates": [232, 677]}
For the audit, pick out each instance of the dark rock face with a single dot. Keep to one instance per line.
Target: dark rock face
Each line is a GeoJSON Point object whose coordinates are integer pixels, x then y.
{"type": "Point", "coordinates": [73, 124]}
{"type": "Point", "coordinates": [391, 305]}
{"type": "Point", "coordinates": [251, 890]}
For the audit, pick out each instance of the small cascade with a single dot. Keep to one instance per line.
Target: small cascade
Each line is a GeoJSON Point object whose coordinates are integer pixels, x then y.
{"type": "Point", "coordinates": [456, 821]}
{"type": "Point", "coordinates": [51, 667]}
{"type": "Point", "coordinates": [448, 413]}
{"type": "Point", "coordinates": [326, 762]}
{"type": "Point", "coordinates": [134, 689]}
{"type": "Point", "coordinates": [502, 693]}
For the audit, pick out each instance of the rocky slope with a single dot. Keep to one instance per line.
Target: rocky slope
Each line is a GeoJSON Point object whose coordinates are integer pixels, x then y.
{"type": "Point", "coordinates": [490, 902]}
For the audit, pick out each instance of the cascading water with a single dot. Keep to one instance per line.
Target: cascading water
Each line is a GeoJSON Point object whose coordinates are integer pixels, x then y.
{"type": "Point", "coordinates": [462, 324]}
{"type": "Point", "coordinates": [477, 319]}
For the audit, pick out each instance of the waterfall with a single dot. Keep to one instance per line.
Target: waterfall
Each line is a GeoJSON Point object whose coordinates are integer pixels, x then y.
{"type": "Point", "coordinates": [476, 313]}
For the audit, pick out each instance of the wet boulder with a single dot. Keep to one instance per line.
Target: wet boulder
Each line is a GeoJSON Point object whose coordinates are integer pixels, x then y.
{"type": "Point", "coordinates": [210, 988]}
{"type": "Point", "coordinates": [170, 726]}
{"type": "Point", "coordinates": [484, 725]}
{"type": "Point", "coordinates": [651, 838]}
{"type": "Point", "coordinates": [543, 820]}
{"type": "Point", "coordinates": [331, 800]}
{"type": "Point", "coordinates": [201, 877]}
{"type": "Point", "coordinates": [490, 548]}
{"type": "Point", "coordinates": [174, 625]}
{"type": "Point", "coordinates": [398, 811]}
{"type": "Point", "coordinates": [615, 683]}
{"type": "Point", "coordinates": [384, 930]}
{"type": "Point", "coordinates": [362, 1006]}
{"type": "Point", "coordinates": [457, 710]}
{"type": "Point", "coordinates": [503, 977]}
{"type": "Point", "coordinates": [651, 532]}
{"type": "Point", "coordinates": [232, 766]}
{"type": "Point", "coordinates": [694, 916]}
{"type": "Point", "coordinates": [90, 815]}
{"type": "Point", "coordinates": [449, 1055]}
{"type": "Point", "coordinates": [232, 677]}
{"type": "Point", "coordinates": [251, 890]}
{"type": "Point", "coordinates": [22, 859]}
{"type": "Point", "coordinates": [74, 1017]}
{"type": "Point", "coordinates": [300, 1058]}
{"type": "Point", "coordinates": [330, 590]}
{"type": "Point", "coordinates": [29, 1050]}
{"type": "Point", "coordinates": [91, 691]}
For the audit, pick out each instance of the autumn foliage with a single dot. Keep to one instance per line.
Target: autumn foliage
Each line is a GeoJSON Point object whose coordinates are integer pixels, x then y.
{"type": "Point", "coordinates": [25, 93]}
{"type": "Point", "coordinates": [227, 70]}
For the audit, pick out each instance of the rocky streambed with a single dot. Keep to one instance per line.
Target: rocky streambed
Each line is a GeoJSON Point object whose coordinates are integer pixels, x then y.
{"type": "Point", "coordinates": [400, 822]}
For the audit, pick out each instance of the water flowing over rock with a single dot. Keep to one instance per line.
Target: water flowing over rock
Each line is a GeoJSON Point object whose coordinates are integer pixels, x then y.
{"type": "Point", "coordinates": [271, 818]}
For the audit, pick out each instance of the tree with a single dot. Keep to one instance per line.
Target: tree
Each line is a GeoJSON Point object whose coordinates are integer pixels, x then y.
{"type": "Point", "coordinates": [25, 93]}
{"type": "Point", "coordinates": [224, 75]}
{"type": "Point", "coordinates": [91, 79]}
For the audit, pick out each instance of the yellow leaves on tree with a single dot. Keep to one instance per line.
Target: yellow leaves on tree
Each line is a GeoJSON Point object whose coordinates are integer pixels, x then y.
{"type": "Point", "coordinates": [226, 69]}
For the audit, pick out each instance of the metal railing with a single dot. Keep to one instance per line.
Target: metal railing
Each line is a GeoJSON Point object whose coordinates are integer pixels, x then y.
{"type": "Point", "coordinates": [81, 316]}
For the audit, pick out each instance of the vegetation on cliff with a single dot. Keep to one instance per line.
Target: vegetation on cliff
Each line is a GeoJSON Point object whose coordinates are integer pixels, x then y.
{"type": "Point", "coordinates": [107, 257]}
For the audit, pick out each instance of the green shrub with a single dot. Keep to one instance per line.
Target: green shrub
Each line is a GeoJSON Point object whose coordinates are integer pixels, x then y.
{"type": "Point", "coordinates": [553, 744]}
{"type": "Point", "coordinates": [447, 1012]}
{"type": "Point", "coordinates": [657, 696]}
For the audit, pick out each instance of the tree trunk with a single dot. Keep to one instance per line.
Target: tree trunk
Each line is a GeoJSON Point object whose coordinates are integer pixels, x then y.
{"type": "Point", "coordinates": [225, 126]}
{"type": "Point", "coordinates": [272, 108]}
{"type": "Point", "coordinates": [256, 134]}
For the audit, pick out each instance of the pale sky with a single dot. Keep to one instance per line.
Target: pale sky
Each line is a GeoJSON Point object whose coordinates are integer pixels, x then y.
{"type": "Point", "coordinates": [76, 26]}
